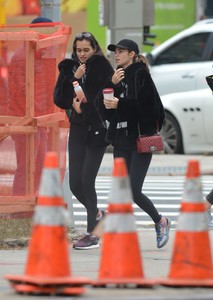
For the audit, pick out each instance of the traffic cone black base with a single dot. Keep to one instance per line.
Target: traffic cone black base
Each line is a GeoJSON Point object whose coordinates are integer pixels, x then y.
{"type": "Point", "coordinates": [48, 290]}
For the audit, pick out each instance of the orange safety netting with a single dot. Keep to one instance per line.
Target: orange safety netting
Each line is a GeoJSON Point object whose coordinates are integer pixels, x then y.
{"type": "Point", "coordinates": [30, 123]}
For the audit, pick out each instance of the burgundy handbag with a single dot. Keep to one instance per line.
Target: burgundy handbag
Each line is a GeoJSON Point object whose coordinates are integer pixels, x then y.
{"type": "Point", "coordinates": [149, 143]}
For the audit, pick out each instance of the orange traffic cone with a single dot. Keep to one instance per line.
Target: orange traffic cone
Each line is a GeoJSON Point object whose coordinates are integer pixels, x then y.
{"type": "Point", "coordinates": [120, 263]}
{"type": "Point", "coordinates": [48, 269]}
{"type": "Point", "coordinates": [191, 263]}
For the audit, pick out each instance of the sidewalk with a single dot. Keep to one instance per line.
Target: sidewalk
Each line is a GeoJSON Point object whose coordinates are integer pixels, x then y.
{"type": "Point", "coordinates": [85, 263]}
{"type": "Point", "coordinates": [164, 164]}
{"type": "Point", "coordinates": [156, 262]}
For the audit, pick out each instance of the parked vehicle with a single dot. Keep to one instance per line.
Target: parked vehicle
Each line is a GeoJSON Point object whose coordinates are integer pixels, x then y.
{"type": "Point", "coordinates": [182, 62]}
{"type": "Point", "coordinates": [188, 124]}
{"type": "Point", "coordinates": [179, 67]}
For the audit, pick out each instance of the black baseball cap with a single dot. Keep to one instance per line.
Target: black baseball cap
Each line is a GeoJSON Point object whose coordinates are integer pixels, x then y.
{"type": "Point", "coordinates": [125, 44]}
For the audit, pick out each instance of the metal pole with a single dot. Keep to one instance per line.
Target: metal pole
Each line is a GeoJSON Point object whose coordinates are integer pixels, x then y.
{"type": "Point", "coordinates": [51, 9]}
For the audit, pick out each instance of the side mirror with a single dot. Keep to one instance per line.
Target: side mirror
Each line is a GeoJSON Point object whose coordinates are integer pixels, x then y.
{"type": "Point", "coordinates": [209, 80]}
{"type": "Point", "coordinates": [150, 59]}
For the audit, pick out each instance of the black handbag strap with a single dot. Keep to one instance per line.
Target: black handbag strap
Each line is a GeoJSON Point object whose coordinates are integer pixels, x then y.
{"type": "Point", "coordinates": [139, 131]}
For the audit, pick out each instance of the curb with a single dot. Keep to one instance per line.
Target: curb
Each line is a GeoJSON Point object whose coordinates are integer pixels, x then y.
{"type": "Point", "coordinates": [157, 171]}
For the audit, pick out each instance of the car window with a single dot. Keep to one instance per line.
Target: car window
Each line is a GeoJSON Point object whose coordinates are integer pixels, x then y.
{"type": "Point", "coordinates": [190, 49]}
{"type": "Point", "coordinates": [211, 55]}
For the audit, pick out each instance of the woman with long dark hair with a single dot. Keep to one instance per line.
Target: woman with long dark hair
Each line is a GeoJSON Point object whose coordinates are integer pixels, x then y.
{"type": "Point", "coordinates": [87, 143]}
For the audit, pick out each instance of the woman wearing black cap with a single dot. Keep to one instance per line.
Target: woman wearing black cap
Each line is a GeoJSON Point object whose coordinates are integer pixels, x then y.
{"type": "Point", "coordinates": [136, 106]}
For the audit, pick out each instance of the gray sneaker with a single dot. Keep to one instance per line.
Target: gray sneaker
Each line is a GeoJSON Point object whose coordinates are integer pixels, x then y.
{"type": "Point", "coordinates": [162, 230]}
{"type": "Point", "coordinates": [87, 242]}
{"type": "Point", "coordinates": [209, 218]}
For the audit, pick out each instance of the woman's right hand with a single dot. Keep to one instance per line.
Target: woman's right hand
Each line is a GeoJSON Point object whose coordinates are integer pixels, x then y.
{"type": "Point", "coordinates": [79, 73]}
{"type": "Point", "coordinates": [111, 103]}
{"type": "Point", "coordinates": [118, 76]}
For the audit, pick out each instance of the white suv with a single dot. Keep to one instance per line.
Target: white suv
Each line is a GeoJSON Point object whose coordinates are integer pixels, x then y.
{"type": "Point", "coordinates": [179, 67]}
{"type": "Point", "coordinates": [182, 62]}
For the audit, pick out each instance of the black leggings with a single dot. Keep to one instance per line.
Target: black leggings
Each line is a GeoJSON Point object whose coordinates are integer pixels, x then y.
{"type": "Point", "coordinates": [84, 164]}
{"type": "Point", "coordinates": [137, 165]}
{"type": "Point", "coordinates": [209, 197]}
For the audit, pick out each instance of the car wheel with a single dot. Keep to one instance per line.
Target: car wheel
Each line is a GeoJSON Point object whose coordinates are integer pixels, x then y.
{"type": "Point", "coordinates": [171, 134]}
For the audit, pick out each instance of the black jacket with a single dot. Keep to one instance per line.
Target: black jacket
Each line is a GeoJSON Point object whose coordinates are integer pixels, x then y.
{"type": "Point", "coordinates": [98, 74]}
{"type": "Point", "coordinates": [139, 104]}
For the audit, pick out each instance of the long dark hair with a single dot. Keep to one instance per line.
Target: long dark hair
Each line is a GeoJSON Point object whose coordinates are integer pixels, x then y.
{"type": "Point", "coordinates": [91, 39]}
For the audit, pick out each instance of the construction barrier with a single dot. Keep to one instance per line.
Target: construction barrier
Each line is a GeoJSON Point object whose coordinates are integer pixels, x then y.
{"type": "Point", "coordinates": [30, 123]}
{"type": "Point", "coordinates": [120, 263]}
{"type": "Point", "coordinates": [191, 263]}
{"type": "Point", "coordinates": [48, 268]}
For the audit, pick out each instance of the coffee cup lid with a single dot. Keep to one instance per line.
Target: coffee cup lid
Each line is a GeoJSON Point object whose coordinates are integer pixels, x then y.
{"type": "Point", "coordinates": [107, 91]}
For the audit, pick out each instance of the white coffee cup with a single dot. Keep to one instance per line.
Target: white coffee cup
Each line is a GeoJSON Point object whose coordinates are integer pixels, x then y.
{"type": "Point", "coordinates": [108, 93]}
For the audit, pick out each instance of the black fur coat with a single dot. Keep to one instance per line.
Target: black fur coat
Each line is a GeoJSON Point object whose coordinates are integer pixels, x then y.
{"type": "Point", "coordinates": [139, 104]}
{"type": "Point", "coordinates": [98, 75]}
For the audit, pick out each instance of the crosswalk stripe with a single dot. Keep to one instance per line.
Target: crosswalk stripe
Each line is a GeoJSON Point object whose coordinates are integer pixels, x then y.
{"type": "Point", "coordinates": [165, 192]}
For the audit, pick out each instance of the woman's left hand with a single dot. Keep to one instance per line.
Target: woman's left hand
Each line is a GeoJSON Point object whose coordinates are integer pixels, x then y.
{"type": "Point", "coordinates": [111, 103]}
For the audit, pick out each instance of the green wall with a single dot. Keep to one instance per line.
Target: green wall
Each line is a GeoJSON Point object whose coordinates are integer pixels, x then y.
{"type": "Point", "coordinates": [93, 23]}
{"type": "Point", "coordinates": [171, 17]}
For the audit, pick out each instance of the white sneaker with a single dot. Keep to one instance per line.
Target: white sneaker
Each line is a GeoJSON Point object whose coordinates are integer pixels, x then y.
{"type": "Point", "coordinates": [210, 218]}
